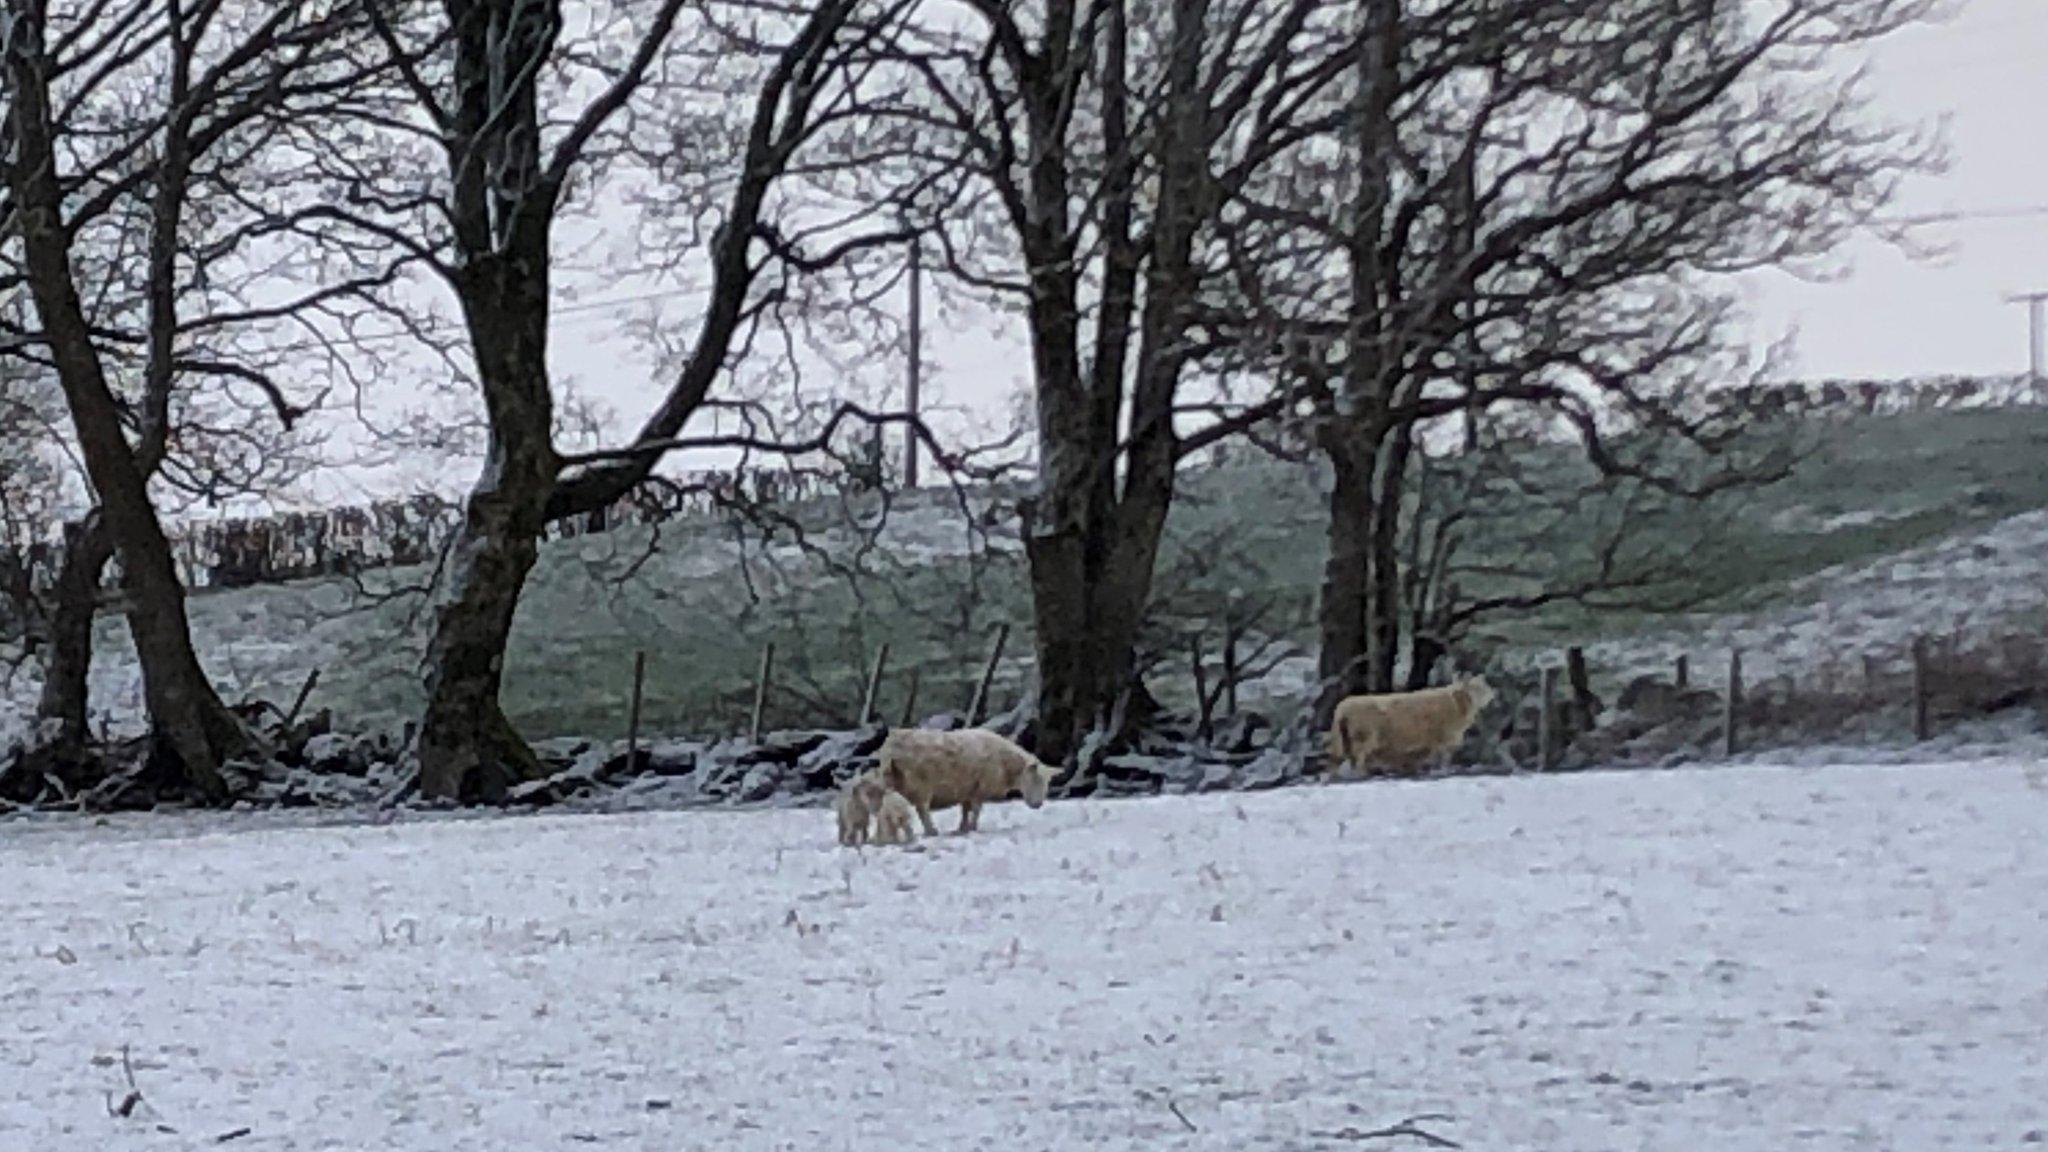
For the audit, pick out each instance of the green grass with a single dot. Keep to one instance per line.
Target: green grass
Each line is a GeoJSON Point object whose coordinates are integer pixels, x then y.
{"type": "Point", "coordinates": [1256, 529]}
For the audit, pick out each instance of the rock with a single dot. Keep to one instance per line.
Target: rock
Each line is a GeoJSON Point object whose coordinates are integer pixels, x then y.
{"type": "Point", "coordinates": [1019, 724]}
{"type": "Point", "coordinates": [1241, 733]}
{"type": "Point", "coordinates": [1115, 786]}
{"type": "Point", "coordinates": [670, 758]}
{"type": "Point", "coordinates": [589, 770]}
{"type": "Point", "coordinates": [1132, 767]}
{"type": "Point", "coordinates": [1165, 740]}
{"type": "Point", "coordinates": [1272, 769]}
{"type": "Point", "coordinates": [760, 783]}
{"type": "Point", "coordinates": [243, 776]}
{"type": "Point", "coordinates": [831, 762]}
{"type": "Point", "coordinates": [783, 748]}
{"type": "Point", "coordinates": [1217, 778]}
{"type": "Point", "coordinates": [561, 750]}
{"type": "Point", "coordinates": [333, 754]}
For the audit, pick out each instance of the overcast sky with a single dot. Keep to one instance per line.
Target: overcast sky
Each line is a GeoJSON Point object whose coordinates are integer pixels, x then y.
{"type": "Point", "coordinates": [1987, 71]}
{"type": "Point", "coordinates": [1888, 315]}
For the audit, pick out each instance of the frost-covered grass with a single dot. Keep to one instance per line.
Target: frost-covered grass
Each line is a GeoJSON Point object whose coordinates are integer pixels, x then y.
{"type": "Point", "coordinates": [1943, 483]}
{"type": "Point", "coordinates": [1745, 958]}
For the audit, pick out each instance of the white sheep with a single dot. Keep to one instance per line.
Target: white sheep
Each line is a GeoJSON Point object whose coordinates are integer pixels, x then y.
{"type": "Point", "coordinates": [965, 768]}
{"type": "Point", "coordinates": [1403, 725]}
{"type": "Point", "coordinates": [895, 820]}
{"type": "Point", "coordinates": [867, 803]}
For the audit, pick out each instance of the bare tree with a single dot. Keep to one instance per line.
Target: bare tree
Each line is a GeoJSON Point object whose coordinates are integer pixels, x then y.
{"type": "Point", "coordinates": [1542, 200]}
{"type": "Point", "coordinates": [498, 93]}
{"type": "Point", "coordinates": [136, 141]}
{"type": "Point", "coordinates": [1514, 524]}
{"type": "Point", "coordinates": [1115, 138]}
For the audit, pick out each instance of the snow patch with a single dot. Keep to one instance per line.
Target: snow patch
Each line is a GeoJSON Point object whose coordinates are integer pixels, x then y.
{"type": "Point", "coordinates": [1732, 958]}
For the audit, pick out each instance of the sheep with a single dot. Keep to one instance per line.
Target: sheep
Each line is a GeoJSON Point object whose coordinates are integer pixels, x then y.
{"type": "Point", "coordinates": [866, 802]}
{"type": "Point", "coordinates": [858, 803]}
{"type": "Point", "coordinates": [893, 820]}
{"type": "Point", "coordinates": [966, 768]}
{"type": "Point", "coordinates": [1400, 725]}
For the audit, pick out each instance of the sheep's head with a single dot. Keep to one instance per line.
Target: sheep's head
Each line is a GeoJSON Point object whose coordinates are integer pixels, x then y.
{"type": "Point", "coordinates": [1479, 692]}
{"type": "Point", "coordinates": [1032, 781]}
{"type": "Point", "coordinates": [869, 791]}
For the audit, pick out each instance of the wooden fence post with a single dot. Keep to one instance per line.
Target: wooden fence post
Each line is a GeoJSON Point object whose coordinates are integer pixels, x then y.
{"type": "Point", "coordinates": [633, 713]}
{"type": "Point", "coordinates": [1230, 662]}
{"type": "Point", "coordinates": [1202, 727]}
{"type": "Point", "coordinates": [1920, 728]}
{"type": "Point", "coordinates": [1682, 677]}
{"type": "Point", "coordinates": [979, 704]}
{"type": "Point", "coordinates": [910, 701]}
{"type": "Point", "coordinates": [867, 700]}
{"type": "Point", "coordinates": [761, 691]}
{"type": "Point", "coordinates": [1730, 733]}
{"type": "Point", "coordinates": [1581, 684]}
{"type": "Point", "coordinates": [1546, 722]}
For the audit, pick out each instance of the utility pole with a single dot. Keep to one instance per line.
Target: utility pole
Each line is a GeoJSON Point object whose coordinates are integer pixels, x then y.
{"type": "Point", "coordinates": [2037, 338]}
{"type": "Point", "coordinates": [913, 381]}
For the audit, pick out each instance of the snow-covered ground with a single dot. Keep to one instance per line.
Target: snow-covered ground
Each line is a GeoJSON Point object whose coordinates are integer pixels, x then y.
{"type": "Point", "coordinates": [1743, 958]}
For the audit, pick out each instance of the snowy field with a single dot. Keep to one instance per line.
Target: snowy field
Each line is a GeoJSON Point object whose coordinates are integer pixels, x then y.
{"type": "Point", "coordinates": [1743, 958]}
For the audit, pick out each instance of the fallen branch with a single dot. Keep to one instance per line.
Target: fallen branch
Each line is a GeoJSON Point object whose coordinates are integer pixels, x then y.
{"type": "Point", "coordinates": [1409, 1128]}
{"type": "Point", "coordinates": [305, 690]}
{"type": "Point", "coordinates": [133, 1100]}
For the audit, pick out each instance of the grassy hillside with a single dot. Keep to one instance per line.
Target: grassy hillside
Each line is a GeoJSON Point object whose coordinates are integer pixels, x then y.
{"type": "Point", "coordinates": [702, 604]}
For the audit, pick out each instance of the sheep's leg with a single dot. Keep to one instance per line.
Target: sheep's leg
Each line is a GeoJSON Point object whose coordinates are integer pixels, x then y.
{"type": "Point", "coordinates": [924, 816]}
{"type": "Point", "coordinates": [968, 812]}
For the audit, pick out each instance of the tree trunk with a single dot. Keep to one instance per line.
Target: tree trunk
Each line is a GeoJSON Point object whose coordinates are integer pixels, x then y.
{"type": "Point", "coordinates": [67, 655]}
{"type": "Point", "coordinates": [1346, 572]}
{"type": "Point", "coordinates": [187, 717]}
{"type": "Point", "coordinates": [1425, 653]}
{"type": "Point", "coordinates": [1065, 523]}
{"type": "Point", "coordinates": [1383, 601]}
{"type": "Point", "coordinates": [467, 749]}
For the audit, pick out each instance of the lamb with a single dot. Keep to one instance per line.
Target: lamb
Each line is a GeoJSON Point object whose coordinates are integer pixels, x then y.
{"type": "Point", "coordinates": [867, 801]}
{"type": "Point", "coordinates": [965, 769]}
{"type": "Point", "coordinates": [893, 820]}
{"type": "Point", "coordinates": [1402, 725]}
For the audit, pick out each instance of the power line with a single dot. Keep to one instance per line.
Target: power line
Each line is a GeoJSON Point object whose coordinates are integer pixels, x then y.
{"type": "Point", "coordinates": [1970, 215]}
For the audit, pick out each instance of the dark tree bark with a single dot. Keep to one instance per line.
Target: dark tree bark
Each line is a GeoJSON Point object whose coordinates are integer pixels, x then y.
{"type": "Point", "coordinates": [504, 197]}
{"type": "Point", "coordinates": [1347, 572]}
{"type": "Point", "coordinates": [1490, 277]}
{"type": "Point", "coordinates": [1093, 530]}
{"type": "Point", "coordinates": [187, 716]}
{"type": "Point", "coordinates": [467, 747]}
{"type": "Point", "coordinates": [67, 653]}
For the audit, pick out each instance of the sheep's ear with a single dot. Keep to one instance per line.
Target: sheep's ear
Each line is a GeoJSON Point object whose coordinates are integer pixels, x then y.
{"type": "Point", "coordinates": [1048, 771]}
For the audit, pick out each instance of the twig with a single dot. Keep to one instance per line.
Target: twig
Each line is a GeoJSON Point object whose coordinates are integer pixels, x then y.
{"type": "Point", "coordinates": [133, 1100]}
{"type": "Point", "coordinates": [1409, 1128]}
{"type": "Point", "coordinates": [299, 702]}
